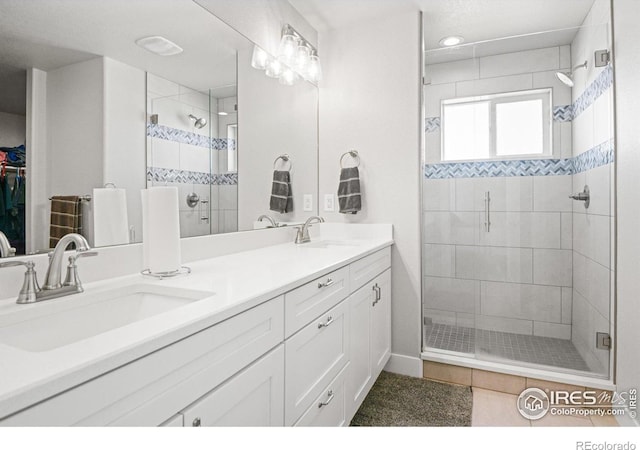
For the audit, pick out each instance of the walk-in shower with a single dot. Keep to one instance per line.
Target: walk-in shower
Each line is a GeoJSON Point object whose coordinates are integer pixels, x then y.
{"type": "Point", "coordinates": [518, 269]}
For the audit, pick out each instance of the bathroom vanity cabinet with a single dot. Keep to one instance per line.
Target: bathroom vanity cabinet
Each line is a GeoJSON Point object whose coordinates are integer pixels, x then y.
{"type": "Point", "coordinates": [307, 357]}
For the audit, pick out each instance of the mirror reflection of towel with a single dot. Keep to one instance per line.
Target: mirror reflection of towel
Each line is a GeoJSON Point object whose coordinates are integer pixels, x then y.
{"type": "Point", "coordinates": [66, 217]}
{"type": "Point", "coordinates": [281, 196]}
{"type": "Point", "coordinates": [349, 197]}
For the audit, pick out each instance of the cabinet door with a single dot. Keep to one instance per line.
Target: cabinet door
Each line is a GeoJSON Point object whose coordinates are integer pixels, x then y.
{"type": "Point", "coordinates": [314, 356]}
{"type": "Point", "coordinates": [359, 377]}
{"type": "Point", "coordinates": [254, 397]}
{"type": "Point", "coordinates": [381, 324]}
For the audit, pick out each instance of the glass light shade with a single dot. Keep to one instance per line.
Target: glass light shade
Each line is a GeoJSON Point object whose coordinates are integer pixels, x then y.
{"type": "Point", "coordinates": [287, 48]}
{"type": "Point", "coordinates": [288, 77]}
{"type": "Point", "coordinates": [274, 68]}
{"type": "Point", "coordinates": [259, 59]}
{"type": "Point", "coordinates": [314, 71]}
{"type": "Point", "coordinates": [303, 55]}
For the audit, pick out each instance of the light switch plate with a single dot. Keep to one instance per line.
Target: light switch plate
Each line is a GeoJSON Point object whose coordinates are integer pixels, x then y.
{"type": "Point", "coordinates": [329, 202]}
{"type": "Point", "coordinates": [307, 202]}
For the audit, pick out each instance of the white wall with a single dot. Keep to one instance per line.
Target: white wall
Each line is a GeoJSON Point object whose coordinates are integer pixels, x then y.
{"type": "Point", "coordinates": [370, 101]}
{"type": "Point", "coordinates": [37, 198]}
{"type": "Point", "coordinates": [75, 132]}
{"type": "Point", "coordinates": [12, 130]}
{"type": "Point", "coordinates": [626, 16]}
{"type": "Point", "coordinates": [124, 136]}
{"type": "Point", "coordinates": [273, 120]}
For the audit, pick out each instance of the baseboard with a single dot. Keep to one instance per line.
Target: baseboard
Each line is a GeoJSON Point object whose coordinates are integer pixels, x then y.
{"type": "Point", "coordinates": [404, 365]}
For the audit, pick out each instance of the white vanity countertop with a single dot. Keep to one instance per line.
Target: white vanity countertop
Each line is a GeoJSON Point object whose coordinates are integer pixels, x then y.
{"type": "Point", "coordinates": [238, 282]}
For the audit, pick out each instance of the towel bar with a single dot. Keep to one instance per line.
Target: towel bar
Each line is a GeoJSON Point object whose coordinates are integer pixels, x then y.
{"type": "Point", "coordinates": [353, 154]}
{"type": "Point", "coordinates": [285, 158]}
{"type": "Point", "coordinates": [84, 198]}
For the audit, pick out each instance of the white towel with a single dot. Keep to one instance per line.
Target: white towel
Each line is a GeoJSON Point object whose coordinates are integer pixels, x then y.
{"type": "Point", "coordinates": [110, 221]}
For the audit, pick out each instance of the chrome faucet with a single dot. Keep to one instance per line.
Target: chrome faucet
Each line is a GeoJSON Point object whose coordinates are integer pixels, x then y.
{"type": "Point", "coordinates": [274, 224]}
{"type": "Point", "coordinates": [53, 288]}
{"type": "Point", "coordinates": [302, 235]}
{"type": "Point", "coordinates": [54, 272]}
{"type": "Point", "coordinates": [6, 250]}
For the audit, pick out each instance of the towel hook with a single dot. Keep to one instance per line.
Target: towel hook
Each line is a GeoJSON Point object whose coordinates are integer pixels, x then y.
{"type": "Point", "coordinates": [285, 157]}
{"type": "Point", "coordinates": [353, 154]}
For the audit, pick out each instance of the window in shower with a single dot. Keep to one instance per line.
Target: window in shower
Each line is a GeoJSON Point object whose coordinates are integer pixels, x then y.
{"type": "Point", "coordinates": [497, 126]}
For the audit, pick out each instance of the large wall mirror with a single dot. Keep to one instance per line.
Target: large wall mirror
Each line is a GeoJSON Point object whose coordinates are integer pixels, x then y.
{"type": "Point", "coordinates": [84, 106]}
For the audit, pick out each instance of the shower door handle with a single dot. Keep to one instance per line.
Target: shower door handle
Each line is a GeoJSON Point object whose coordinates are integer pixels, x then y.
{"type": "Point", "coordinates": [487, 211]}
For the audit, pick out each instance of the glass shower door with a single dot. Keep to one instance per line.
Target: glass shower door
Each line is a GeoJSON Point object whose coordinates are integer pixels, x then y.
{"type": "Point", "coordinates": [514, 270]}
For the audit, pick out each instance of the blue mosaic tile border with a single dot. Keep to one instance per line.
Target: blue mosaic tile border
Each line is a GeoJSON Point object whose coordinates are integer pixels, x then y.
{"type": "Point", "coordinates": [597, 156]}
{"type": "Point", "coordinates": [603, 81]}
{"type": "Point", "coordinates": [432, 124]}
{"type": "Point", "coordinates": [162, 175]}
{"type": "Point", "coordinates": [187, 137]}
{"type": "Point", "coordinates": [562, 113]}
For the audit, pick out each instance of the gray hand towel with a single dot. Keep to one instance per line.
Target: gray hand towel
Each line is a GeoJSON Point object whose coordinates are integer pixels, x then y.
{"type": "Point", "coordinates": [349, 198]}
{"type": "Point", "coordinates": [281, 197]}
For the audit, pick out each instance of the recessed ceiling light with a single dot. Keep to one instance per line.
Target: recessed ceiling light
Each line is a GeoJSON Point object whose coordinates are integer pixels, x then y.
{"type": "Point", "coordinates": [159, 45]}
{"type": "Point", "coordinates": [450, 41]}
{"type": "Point", "coordinates": [222, 113]}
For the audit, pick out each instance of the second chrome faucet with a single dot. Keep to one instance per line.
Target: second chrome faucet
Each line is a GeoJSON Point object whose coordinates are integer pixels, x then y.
{"type": "Point", "coordinates": [302, 234]}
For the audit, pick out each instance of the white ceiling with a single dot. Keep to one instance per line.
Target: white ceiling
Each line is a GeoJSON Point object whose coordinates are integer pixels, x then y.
{"type": "Point", "coordinates": [48, 34]}
{"type": "Point", "coordinates": [476, 20]}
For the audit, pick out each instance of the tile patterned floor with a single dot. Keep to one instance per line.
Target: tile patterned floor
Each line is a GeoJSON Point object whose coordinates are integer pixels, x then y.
{"type": "Point", "coordinates": [510, 346]}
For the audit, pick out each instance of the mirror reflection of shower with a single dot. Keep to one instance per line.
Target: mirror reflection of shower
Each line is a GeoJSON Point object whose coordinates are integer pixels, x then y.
{"type": "Point", "coordinates": [198, 122]}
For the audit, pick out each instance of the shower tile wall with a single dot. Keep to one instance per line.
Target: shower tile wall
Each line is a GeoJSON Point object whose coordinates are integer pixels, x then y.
{"type": "Point", "coordinates": [192, 163]}
{"type": "Point", "coordinates": [517, 278]}
{"type": "Point", "coordinates": [593, 254]}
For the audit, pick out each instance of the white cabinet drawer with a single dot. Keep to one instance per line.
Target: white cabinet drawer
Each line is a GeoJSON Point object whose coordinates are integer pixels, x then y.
{"type": "Point", "coordinates": [304, 304]}
{"type": "Point", "coordinates": [367, 268]}
{"type": "Point", "coordinates": [253, 398]}
{"type": "Point", "coordinates": [329, 409]}
{"type": "Point", "coordinates": [150, 390]}
{"type": "Point", "coordinates": [314, 357]}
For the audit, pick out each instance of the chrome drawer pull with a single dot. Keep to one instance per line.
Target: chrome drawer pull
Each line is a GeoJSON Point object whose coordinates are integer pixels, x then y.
{"type": "Point", "coordinates": [327, 323]}
{"type": "Point", "coordinates": [329, 282]}
{"type": "Point", "coordinates": [326, 402]}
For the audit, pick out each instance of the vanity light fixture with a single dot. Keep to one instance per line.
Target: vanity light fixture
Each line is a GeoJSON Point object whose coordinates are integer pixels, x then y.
{"type": "Point", "coordinates": [450, 41]}
{"type": "Point", "coordinates": [296, 59]}
{"type": "Point", "coordinates": [259, 59]}
{"type": "Point", "coordinates": [159, 45]}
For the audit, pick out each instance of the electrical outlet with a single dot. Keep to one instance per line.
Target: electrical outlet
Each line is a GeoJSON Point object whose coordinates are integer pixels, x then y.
{"type": "Point", "coordinates": [329, 202]}
{"type": "Point", "coordinates": [307, 202]}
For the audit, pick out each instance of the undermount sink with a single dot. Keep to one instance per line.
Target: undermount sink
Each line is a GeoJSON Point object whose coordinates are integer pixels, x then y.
{"type": "Point", "coordinates": [78, 317]}
{"type": "Point", "coordinates": [328, 244]}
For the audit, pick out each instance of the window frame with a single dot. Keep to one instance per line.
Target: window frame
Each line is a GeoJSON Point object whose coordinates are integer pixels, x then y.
{"type": "Point", "coordinates": [544, 94]}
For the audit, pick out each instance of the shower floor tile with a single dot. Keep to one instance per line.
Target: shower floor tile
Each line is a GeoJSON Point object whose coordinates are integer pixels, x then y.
{"type": "Point", "coordinates": [511, 346]}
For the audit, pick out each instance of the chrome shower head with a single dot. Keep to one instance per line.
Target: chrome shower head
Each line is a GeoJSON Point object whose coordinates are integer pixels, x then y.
{"type": "Point", "coordinates": [198, 122]}
{"type": "Point", "coordinates": [567, 77]}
